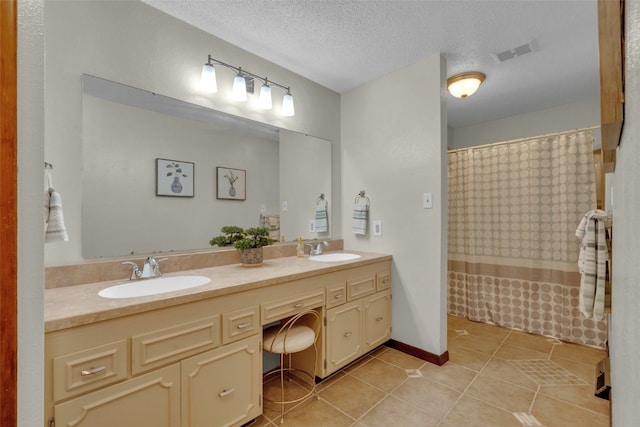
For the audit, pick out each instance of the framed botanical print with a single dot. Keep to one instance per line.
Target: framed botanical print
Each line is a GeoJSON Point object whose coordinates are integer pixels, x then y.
{"type": "Point", "coordinates": [231, 183]}
{"type": "Point", "coordinates": [174, 178]}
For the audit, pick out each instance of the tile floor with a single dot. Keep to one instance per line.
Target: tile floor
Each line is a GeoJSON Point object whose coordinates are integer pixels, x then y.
{"type": "Point", "coordinates": [495, 377]}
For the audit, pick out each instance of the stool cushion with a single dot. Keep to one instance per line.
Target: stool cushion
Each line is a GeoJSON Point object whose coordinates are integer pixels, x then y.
{"type": "Point", "coordinates": [298, 338]}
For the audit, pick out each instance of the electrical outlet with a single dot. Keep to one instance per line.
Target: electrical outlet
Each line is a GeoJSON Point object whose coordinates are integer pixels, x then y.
{"type": "Point", "coordinates": [263, 208]}
{"type": "Point", "coordinates": [312, 226]}
{"type": "Point", "coordinates": [377, 228]}
{"type": "Point", "coordinates": [285, 207]}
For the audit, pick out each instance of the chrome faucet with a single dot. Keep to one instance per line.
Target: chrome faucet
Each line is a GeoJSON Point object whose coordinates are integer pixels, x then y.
{"type": "Point", "coordinates": [317, 250]}
{"type": "Point", "coordinates": [151, 268]}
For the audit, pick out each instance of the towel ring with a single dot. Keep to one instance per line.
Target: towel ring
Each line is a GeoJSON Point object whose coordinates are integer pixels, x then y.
{"type": "Point", "coordinates": [361, 195]}
{"type": "Point", "coordinates": [321, 199]}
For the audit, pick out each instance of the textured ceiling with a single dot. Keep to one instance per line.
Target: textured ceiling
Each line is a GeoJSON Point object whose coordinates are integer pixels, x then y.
{"type": "Point", "coordinates": [342, 44]}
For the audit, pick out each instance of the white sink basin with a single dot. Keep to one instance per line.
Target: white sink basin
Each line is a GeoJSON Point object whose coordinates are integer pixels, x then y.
{"type": "Point", "coordinates": [158, 285]}
{"type": "Point", "coordinates": [335, 257]}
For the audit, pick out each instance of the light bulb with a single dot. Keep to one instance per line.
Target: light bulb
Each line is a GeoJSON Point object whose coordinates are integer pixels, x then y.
{"type": "Point", "coordinates": [287, 105]}
{"type": "Point", "coordinates": [208, 79]}
{"type": "Point", "coordinates": [239, 88]}
{"type": "Point", "coordinates": [264, 101]}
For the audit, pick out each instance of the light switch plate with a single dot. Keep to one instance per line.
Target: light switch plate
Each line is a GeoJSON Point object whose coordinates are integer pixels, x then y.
{"type": "Point", "coordinates": [377, 228]}
{"type": "Point", "coordinates": [312, 226]}
{"type": "Point", "coordinates": [427, 200]}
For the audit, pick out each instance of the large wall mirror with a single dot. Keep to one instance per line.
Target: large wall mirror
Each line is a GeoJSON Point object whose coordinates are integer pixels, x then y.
{"type": "Point", "coordinates": [281, 176]}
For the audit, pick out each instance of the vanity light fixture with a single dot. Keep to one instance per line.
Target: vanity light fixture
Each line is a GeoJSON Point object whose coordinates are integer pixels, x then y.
{"type": "Point", "coordinates": [264, 101]}
{"type": "Point", "coordinates": [243, 83]}
{"type": "Point", "coordinates": [465, 84]}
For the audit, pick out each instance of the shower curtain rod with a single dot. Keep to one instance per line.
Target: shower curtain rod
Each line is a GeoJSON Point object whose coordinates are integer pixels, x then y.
{"type": "Point", "coordinates": [509, 141]}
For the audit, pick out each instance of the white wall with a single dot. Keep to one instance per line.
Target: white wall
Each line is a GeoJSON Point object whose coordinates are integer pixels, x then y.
{"type": "Point", "coordinates": [625, 330]}
{"type": "Point", "coordinates": [30, 226]}
{"type": "Point", "coordinates": [563, 118]}
{"type": "Point", "coordinates": [394, 147]}
{"type": "Point", "coordinates": [135, 44]}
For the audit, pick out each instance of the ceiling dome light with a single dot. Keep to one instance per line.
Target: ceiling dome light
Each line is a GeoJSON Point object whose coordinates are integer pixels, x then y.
{"type": "Point", "coordinates": [465, 84]}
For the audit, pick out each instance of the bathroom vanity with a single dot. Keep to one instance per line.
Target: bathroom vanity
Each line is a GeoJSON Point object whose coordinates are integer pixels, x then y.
{"type": "Point", "coordinates": [194, 358]}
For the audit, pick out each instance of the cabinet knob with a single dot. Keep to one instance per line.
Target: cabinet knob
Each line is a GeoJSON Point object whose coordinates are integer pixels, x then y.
{"type": "Point", "coordinates": [224, 393]}
{"type": "Point", "coordinates": [347, 334]}
{"type": "Point", "coordinates": [379, 318]}
{"type": "Point", "coordinates": [298, 304]}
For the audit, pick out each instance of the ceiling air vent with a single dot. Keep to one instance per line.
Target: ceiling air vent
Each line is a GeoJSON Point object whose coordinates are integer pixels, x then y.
{"type": "Point", "coordinates": [505, 55]}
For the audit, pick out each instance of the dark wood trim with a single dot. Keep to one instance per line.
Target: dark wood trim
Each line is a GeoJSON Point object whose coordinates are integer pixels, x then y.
{"type": "Point", "coordinates": [419, 353]}
{"type": "Point", "coordinates": [8, 214]}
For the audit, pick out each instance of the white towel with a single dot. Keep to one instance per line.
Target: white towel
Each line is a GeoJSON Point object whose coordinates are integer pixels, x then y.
{"type": "Point", "coordinates": [56, 230]}
{"type": "Point", "coordinates": [592, 262]}
{"type": "Point", "coordinates": [360, 219]}
{"type": "Point", "coordinates": [322, 218]}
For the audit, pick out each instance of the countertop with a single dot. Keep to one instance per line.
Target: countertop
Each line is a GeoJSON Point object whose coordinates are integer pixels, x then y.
{"type": "Point", "coordinates": [71, 306]}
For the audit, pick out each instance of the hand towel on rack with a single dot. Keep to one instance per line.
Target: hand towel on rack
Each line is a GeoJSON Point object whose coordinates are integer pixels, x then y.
{"type": "Point", "coordinates": [592, 262]}
{"type": "Point", "coordinates": [360, 218]}
{"type": "Point", "coordinates": [56, 230]}
{"type": "Point", "coordinates": [322, 218]}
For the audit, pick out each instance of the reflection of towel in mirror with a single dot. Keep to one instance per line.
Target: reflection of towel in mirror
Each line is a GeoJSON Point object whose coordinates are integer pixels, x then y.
{"type": "Point", "coordinates": [56, 230]}
{"type": "Point", "coordinates": [322, 221]}
{"type": "Point", "coordinates": [272, 223]}
{"type": "Point", "coordinates": [360, 219]}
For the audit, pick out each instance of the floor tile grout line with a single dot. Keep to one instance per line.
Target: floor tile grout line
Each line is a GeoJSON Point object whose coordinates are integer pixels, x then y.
{"type": "Point", "coordinates": [464, 392]}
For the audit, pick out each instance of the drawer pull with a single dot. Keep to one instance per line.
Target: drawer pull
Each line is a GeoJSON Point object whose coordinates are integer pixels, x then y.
{"type": "Point", "coordinates": [379, 318]}
{"type": "Point", "coordinates": [298, 304]}
{"type": "Point", "coordinates": [338, 296]}
{"type": "Point", "coordinates": [225, 393]}
{"type": "Point", "coordinates": [93, 371]}
{"type": "Point", "coordinates": [348, 334]}
{"type": "Point", "coordinates": [244, 325]}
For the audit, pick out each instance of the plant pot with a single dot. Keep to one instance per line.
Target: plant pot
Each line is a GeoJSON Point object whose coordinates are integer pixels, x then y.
{"type": "Point", "coordinates": [251, 257]}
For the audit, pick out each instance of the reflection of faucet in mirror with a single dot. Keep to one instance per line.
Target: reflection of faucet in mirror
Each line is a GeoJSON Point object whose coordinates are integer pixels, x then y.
{"type": "Point", "coordinates": [151, 268]}
{"type": "Point", "coordinates": [318, 249]}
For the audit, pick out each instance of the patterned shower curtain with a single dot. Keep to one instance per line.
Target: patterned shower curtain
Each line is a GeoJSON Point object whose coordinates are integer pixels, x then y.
{"type": "Point", "coordinates": [513, 254]}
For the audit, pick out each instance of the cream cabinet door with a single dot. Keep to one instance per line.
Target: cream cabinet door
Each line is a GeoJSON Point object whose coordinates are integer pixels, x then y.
{"type": "Point", "coordinates": [223, 387]}
{"type": "Point", "coordinates": [150, 400]}
{"type": "Point", "coordinates": [343, 335]}
{"type": "Point", "coordinates": [377, 320]}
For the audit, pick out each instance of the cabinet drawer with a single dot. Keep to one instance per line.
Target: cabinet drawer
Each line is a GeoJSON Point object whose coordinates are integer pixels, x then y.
{"type": "Point", "coordinates": [240, 324]}
{"type": "Point", "coordinates": [383, 281]}
{"type": "Point", "coordinates": [359, 288]}
{"type": "Point", "coordinates": [280, 309]}
{"type": "Point", "coordinates": [166, 345]}
{"type": "Point", "coordinates": [89, 369]}
{"type": "Point", "coordinates": [336, 295]}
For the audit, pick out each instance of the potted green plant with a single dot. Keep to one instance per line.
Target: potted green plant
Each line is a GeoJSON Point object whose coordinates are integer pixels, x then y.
{"type": "Point", "coordinates": [248, 241]}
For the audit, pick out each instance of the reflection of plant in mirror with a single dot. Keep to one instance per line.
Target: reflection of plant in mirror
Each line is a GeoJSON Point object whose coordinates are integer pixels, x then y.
{"type": "Point", "coordinates": [241, 238]}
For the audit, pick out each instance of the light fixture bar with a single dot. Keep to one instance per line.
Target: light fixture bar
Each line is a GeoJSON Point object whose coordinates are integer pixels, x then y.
{"type": "Point", "coordinates": [248, 76]}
